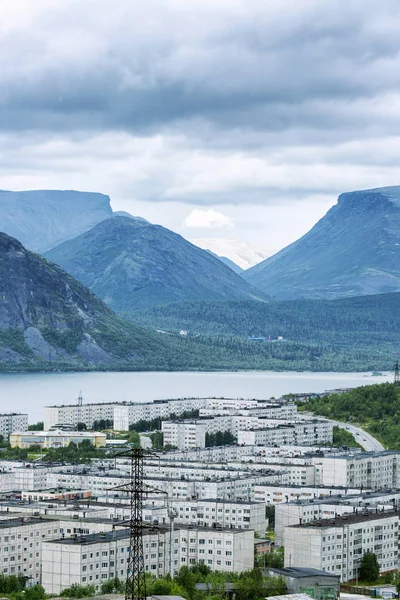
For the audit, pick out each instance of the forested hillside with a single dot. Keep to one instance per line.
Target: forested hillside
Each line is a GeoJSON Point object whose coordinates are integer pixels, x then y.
{"type": "Point", "coordinates": [351, 322]}
{"type": "Point", "coordinates": [375, 407]}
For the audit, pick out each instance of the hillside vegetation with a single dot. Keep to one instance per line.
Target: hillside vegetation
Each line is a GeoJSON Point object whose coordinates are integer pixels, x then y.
{"type": "Point", "coordinates": [375, 407]}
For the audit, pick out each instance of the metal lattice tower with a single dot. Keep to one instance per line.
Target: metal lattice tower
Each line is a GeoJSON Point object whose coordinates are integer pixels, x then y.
{"type": "Point", "coordinates": [396, 374]}
{"type": "Point", "coordinates": [136, 580]}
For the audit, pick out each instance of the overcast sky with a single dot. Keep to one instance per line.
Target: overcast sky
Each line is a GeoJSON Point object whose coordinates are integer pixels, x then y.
{"type": "Point", "coordinates": [216, 118]}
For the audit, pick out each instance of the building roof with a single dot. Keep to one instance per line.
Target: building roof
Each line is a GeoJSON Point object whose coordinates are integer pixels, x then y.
{"type": "Point", "coordinates": [348, 519]}
{"type": "Point", "coordinates": [298, 572]}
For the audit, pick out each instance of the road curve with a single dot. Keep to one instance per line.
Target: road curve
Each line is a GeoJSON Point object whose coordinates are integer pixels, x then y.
{"type": "Point", "coordinates": [366, 440]}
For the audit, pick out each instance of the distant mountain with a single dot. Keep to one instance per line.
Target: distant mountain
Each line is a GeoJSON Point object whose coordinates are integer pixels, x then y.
{"type": "Point", "coordinates": [131, 263]}
{"type": "Point", "coordinates": [47, 317]}
{"type": "Point", "coordinates": [241, 253]}
{"type": "Point", "coordinates": [43, 219]}
{"type": "Point", "coordinates": [353, 250]}
{"type": "Point", "coordinates": [227, 261]}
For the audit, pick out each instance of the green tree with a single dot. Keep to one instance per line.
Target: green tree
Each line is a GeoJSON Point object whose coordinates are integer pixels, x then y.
{"type": "Point", "coordinates": [187, 580]}
{"type": "Point", "coordinates": [79, 591]}
{"type": "Point", "coordinates": [39, 426]}
{"type": "Point", "coordinates": [81, 426]}
{"type": "Point", "coordinates": [369, 568]}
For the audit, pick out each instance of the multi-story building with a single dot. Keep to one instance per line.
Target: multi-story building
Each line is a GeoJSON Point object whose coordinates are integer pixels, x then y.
{"type": "Point", "coordinates": [338, 545]}
{"type": "Point", "coordinates": [94, 558]}
{"type": "Point", "coordinates": [373, 470]}
{"type": "Point", "coordinates": [306, 511]}
{"type": "Point", "coordinates": [10, 422]}
{"type": "Point", "coordinates": [298, 433]}
{"type": "Point", "coordinates": [185, 435]}
{"type": "Point", "coordinates": [278, 493]}
{"type": "Point", "coordinates": [21, 542]}
{"type": "Point", "coordinates": [123, 414]}
{"type": "Point", "coordinates": [55, 439]}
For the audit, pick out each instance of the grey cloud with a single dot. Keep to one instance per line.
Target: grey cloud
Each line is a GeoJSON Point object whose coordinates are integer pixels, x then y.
{"type": "Point", "coordinates": [244, 66]}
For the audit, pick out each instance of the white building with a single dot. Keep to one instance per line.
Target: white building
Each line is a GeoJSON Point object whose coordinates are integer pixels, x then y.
{"type": "Point", "coordinates": [316, 509]}
{"type": "Point", "coordinates": [10, 422]}
{"type": "Point", "coordinates": [95, 558]}
{"type": "Point", "coordinates": [123, 414]}
{"type": "Point", "coordinates": [277, 493]}
{"type": "Point", "coordinates": [185, 435]}
{"type": "Point", "coordinates": [21, 542]}
{"type": "Point", "coordinates": [55, 439]}
{"type": "Point", "coordinates": [308, 432]}
{"type": "Point", "coordinates": [373, 470]}
{"type": "Point", "coordinates": [338, 545]}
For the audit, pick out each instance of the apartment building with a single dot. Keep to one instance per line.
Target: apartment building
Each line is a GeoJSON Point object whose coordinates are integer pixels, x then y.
{"type": "Point", "coordinates": [10, 422]}
{"type": "Point", "coordinates": [185, 435]}
{"type": "Point", "coordinates": [338, 545]}
{"type": "Point", "coordinates": [55, 439]}
{"type": "Point", "coordinates": [298, 433]}
{"type": "Point", "coordinates": [373, 470]}
{"type": "Point", "coordinates": [231, 486]}
{"type": "Point", "coordinates": [21, 541]}
{"type": "Point", "coordinates": [94, 558]}
{"type": "Point", "coordinates": [251, 452]}
{"type": "Point", "coordinates": [123, 414]}
{"type": "Point", "coordinates": [306, 511]}
{"type": "Point", "coordinates": [278, 493]}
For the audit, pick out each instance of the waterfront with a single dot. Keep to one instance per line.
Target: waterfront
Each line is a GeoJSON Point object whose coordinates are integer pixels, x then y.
{"type": "Point", "coordinates": [31, 392]}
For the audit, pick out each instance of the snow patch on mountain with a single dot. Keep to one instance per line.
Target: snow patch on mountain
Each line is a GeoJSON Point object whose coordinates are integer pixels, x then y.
{"type": "Point", "coordinates": [241, 253]}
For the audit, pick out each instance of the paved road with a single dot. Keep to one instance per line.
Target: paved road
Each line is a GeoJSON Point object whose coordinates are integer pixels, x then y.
{"type": "Point", "coordinates": [366, 440]}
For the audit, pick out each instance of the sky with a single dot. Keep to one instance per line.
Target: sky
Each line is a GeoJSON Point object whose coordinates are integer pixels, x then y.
{"type": "Point", "coordinates": [216, 118]}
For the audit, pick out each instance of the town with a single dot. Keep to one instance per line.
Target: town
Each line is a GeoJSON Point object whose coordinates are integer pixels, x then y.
{"type": "Point", "coordinates": [226, 483]}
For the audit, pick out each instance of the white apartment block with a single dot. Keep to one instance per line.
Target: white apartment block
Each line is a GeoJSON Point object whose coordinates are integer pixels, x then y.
{"type": "Point", "coordinates": [306, 511]}
{"type": "Point", "coordinates": [210, 513]}
{"type": "Point", "coordinates": [21, 541]}
{"type": "Point", "coordinates": [231, 453]}
{"type": "Point", "coordinates": [10, 422]}
{"type": "Point", "coordinates": [338, 545]}
{"type": "Point", "coordinates": [229, 487]}
{"type": "Point", "coordinates": [373, 470]}
{"type": "Point", "coordinates": [304, 432]}
{"type": "Point", "coordinates": [124, 414]}
{"type": "Point", "coordinates": [185, 435]}
{"type": "Point", "coordinates": [96, 558]}
{"type": "Point", "coordinates": [277, 493]}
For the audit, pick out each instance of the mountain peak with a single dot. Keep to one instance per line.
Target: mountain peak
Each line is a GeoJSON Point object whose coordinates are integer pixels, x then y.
{"type": "Point", "coordinates": [131, 263]}
{"type": "Point", "coordinates": [353, 250]}
{"type": "Point", "coordinates": [42, 219]}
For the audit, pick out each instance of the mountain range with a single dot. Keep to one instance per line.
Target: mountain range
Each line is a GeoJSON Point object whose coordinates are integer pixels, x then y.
{"type": "Point", "coordinates": [41, 219]}
{"type": "Point", "coordinates": [353, 250]}
{"type": "Point", "coordinates": [130, 263]}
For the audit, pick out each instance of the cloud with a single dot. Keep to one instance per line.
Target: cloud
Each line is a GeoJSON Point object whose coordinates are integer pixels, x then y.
{"type": "Point", "coordinates": [235, 106]}
{"type": "Point", "coordinates": [207, 219]}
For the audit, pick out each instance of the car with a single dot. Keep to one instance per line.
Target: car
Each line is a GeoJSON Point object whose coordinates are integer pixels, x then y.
{"type": "Point", "coordinates": [357, 433]}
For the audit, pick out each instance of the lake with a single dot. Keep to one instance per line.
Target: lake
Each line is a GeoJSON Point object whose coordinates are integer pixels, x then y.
{"type": "Point", "coordinates": [29, 393]}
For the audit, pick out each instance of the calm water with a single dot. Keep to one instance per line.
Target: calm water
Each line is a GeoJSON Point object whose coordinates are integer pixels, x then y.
{"type": "Point", "coordinates": [30, 393]}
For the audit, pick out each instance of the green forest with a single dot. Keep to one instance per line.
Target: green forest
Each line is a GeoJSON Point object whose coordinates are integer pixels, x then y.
{"type": "Point", "coordinates": [375, 407]}
{"type": "Point", "coordinates": [351, 334]}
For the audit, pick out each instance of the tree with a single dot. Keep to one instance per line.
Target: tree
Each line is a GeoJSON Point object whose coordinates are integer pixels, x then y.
{"type": "Point", "coordinates": [369, 568]}
{"type": "Point", "coordinates": [81, 426]}
{"type": "Point", "coordinates": [79, 591]}
{"type": "Point", "coordinates": [39, 426]}
{"type": "Point", "coordinates": [187, 580]}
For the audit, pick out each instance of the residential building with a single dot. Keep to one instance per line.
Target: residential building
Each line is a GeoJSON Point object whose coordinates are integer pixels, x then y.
{"type": "Point", "coordinates": [298, 433]}
{"type": "Point", "coordinates": [10, 422]}
{"type": "Point", "coordinates": [55, 439]}
{"type": "Point", "coordinates": [94, 558]}
{"type": "Point", "coordinates": [373, 470]}
{"type": "Point", "coordinates": [338, 545]}
{"type": "Point", "coordinates": [21, 542]}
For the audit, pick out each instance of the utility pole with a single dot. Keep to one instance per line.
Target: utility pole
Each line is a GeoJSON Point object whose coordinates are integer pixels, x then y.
{"type": "Point", "coordinates": [137, 489]}
{"type": "Point", "coordinates": [396, 374]}
{"type": "Point", "coordinates": [172, 513]}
